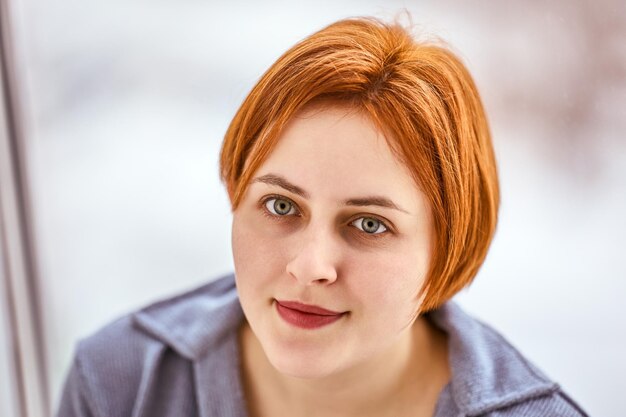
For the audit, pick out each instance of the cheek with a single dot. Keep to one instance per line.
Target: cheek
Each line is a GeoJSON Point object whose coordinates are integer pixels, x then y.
{"type": "Point", "coordinates": [389, 281]}
{"type": "Point", "coordinates": [258, 257]}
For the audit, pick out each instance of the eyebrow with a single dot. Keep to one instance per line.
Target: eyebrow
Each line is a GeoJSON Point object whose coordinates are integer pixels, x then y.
{"type": "Point", "coordinates": [374, 201]}
{"type": "Point", "coordinates": [273, 179]}
{"type": "Point", "coordinates": [380, 201]}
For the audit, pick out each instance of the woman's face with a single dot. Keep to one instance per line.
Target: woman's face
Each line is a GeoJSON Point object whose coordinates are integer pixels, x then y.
{"type": "Point", "coordinates": [331, 219]}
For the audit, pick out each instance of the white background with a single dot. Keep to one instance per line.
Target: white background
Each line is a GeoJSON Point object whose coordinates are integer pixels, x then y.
{"type": "Point", "coordinates": [127, 102]}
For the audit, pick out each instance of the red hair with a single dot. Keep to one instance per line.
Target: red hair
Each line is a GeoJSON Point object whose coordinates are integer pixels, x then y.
{"type": "Point", "coordinates": [421, 95]}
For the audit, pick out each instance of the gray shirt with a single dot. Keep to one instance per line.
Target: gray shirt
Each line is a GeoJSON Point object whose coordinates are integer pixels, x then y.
{"type": "Point", "coordinates": [180, 357]}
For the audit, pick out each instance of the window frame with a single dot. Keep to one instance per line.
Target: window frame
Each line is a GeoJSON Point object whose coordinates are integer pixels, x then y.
{"type": "Point", "coordinates": [18, 274]}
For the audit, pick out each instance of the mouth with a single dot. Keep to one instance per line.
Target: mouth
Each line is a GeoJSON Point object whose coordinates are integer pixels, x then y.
{"type": "Point", "coordinates": [306, 316]}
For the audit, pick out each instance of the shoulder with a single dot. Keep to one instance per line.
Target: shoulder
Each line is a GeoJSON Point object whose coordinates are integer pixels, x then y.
{"type": "Point", "coordinates": [491, 377]}
{"type": "Point", "coordinates": [186, 323]}
{"type": "Point", "coordinates": [126, 354]}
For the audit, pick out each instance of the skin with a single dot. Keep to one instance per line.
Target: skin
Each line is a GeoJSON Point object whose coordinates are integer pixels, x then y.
{"type": "Point", "coordinates": [353, 236]}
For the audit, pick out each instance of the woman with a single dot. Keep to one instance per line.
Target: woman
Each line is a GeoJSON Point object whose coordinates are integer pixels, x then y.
{"type": "Point", "coordinates": [364, 193]}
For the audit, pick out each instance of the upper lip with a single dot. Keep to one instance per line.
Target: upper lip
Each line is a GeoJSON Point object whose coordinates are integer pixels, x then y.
{"type": "Point", "coordinates": [307, 308]}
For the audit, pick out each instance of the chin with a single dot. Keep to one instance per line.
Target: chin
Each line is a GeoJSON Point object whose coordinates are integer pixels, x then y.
{"type": "Point", "coordinates": [303, 363]}
{"type": "Point", "coordinates": [304, 368]}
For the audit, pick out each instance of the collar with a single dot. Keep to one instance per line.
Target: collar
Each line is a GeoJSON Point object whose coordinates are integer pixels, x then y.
{"type": "Point", "coordinates": [194, 323]}
{"type": "Point", "coordinates": [201, 326]}
{"type": "Point", "coordinates": [487, 372]}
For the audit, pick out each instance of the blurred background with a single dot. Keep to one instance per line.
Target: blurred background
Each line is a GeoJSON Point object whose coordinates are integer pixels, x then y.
{"type": "Point", "coordinates": [124, 105]}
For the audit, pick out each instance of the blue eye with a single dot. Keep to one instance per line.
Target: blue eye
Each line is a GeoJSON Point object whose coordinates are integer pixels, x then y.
{"type": "Point", "coordinates": [369, 225]}
{"type": "Point", "coordinates": [280, 206]}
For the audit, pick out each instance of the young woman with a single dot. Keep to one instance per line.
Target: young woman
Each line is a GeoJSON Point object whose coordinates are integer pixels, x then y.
{"type": "Point", "coordinates": [365, 195]}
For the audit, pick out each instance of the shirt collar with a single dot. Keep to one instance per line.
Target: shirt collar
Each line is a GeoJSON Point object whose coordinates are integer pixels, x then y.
{"type": "Point", "coordinates": [487, 372]}
{"type": "Point", "coordinates": [194, 322]}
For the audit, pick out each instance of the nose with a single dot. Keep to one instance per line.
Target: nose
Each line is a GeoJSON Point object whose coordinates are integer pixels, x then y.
{"type": "Point", "coordinates": [315, 262]}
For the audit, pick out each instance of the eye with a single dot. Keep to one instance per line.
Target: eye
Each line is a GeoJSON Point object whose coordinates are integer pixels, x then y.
{"type": "Point", "coordinates": [369, 225]}
{"type": "Point", "coordinates": [279, 206]}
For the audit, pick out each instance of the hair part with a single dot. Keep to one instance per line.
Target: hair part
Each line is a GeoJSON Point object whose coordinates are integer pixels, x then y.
{"type": "Point", "coordinates": [421, 96]}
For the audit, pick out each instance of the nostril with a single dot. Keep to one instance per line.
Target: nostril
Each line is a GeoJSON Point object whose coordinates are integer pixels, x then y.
{"type": "Point", "coordinates": [308, 276]}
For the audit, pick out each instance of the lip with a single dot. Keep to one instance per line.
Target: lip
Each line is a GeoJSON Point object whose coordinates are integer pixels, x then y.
{"type": "Point", "coordinates": [307, 308]}
{"type": "Point", "coordinates": [306, 316]}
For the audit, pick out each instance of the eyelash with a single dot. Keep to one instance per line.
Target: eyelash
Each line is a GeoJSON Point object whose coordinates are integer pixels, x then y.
{"type": "Point", "coordinates": [283, 218]}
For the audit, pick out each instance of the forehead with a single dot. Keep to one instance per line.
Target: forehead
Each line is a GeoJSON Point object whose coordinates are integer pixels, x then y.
{"type": "Point", "coordinates": [335, 151]}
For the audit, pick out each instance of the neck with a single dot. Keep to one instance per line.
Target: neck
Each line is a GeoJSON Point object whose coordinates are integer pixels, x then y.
{"type": "Point", "coordinates": [408, 374]}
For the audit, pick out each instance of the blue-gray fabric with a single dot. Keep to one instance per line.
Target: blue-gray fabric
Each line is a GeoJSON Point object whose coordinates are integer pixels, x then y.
{"type": "Point", "coordinates": [180, 357]}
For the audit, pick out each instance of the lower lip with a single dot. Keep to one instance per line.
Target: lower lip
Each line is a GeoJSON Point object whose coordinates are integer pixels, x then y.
{"type": "Point", "coordinates": [305, 320]}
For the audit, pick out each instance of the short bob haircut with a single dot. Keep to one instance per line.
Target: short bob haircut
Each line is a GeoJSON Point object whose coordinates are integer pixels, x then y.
{"type": "Point", "coordinates": [424, 100]}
